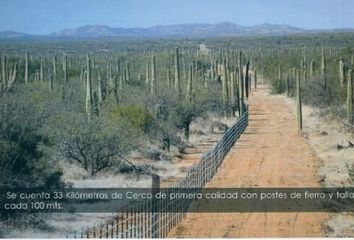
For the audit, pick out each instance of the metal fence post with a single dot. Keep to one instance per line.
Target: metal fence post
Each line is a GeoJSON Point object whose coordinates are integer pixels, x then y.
{"type": "Point", "coordinates": [155, 211]}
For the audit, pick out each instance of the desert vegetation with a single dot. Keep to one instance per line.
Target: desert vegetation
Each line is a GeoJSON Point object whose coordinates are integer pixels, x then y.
{"type": "Point", "coordinates": [90, 104]}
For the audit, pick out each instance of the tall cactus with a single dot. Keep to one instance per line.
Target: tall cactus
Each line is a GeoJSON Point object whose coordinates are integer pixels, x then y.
{"type": "Point", "coordinates": [121, 83]}
{"type": "Point", "coordinates": [224, 79]}
{"type": "Point", "coordinates": [168, 76]}
{"type": "Point", "coordinates": [95, 103]}
{"type": "Point", "coordinates": [177, 73]}
{"type": "Point", "coordinates": [232, 91]}
{"type": "Point", "coordinates": [153, 76]}
{"type": "Point", "coordinates": [323, 69]}
{"type": "Point", "coordinates": [127, 72]}
{"type": "Point", "coordinates": [41, 71]}
{"type": "Point", "coordinates": [62, 91]}
{"type": "Point", "coordinates": [241, 85]}
{"type": "Point", "coordinates": [287, 86]}
{"type": "Point", "coordinates": [11, 81]}
{"type": "Point", "coordinates": [212, 69]}
{"type": "Point", "coordinates": [110, 79]}
{"type": "Point", "coordinates": [341, 72]}
{"type": "Point", "coordinates": [4, 69]}
{"type": "Point", "coordinates": [118, 66]}
{"type": "Point", "coordinates": [255, 78]}
{"type": "Point", "coordinates": [299, 104]}
{"type": "Point", "coordinates": [115, 88]}
{"type": "Point", "coordinates": [247, 79]}
{"type": "Point", "coordinates": [304, 74]}
{"type": "Point", "coordinates": [312, 68]}
{"type": "Point", "coordinates": [100, 88]}
{"type": "Point", "coordinates": [26, 67]}
{"type": "Point", "coordinates": [54, 70]}
{"type": "Point", "coordinates": [36, 76]}
{"type": "Point", "coordinates": [147, 73]}
{"type": "Point", "coordinates": [280, 73]}
{"type": "Point", "coordinates": [51, 83]}
{"type": "Point", "coordinates": [350, 97]}
{"type": "Point", "coordinates": [65, 69]}
{"type": "Point", "coordinates": [88, 89]}
{"type": "Point", "coordinates": [189, 84]}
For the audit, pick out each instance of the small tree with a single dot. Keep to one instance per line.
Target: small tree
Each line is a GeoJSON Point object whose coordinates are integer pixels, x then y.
{"type": "Point", "coordinates": [94, 145]}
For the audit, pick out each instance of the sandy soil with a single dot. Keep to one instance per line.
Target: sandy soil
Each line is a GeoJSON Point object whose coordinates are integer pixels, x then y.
{"type": "Point", "coordinates": [271, 153]}
{"type": "Point", "coordinates": [324, 134]}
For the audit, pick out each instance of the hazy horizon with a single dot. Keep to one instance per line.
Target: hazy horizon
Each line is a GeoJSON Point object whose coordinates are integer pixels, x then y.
{"type": "Point", "coordinates": [45, 17]}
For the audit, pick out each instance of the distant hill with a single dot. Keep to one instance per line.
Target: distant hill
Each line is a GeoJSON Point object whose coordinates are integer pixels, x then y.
{"type": "Point", "coordinates": [223, 29]}
{"type": "Point", "coordinates": [12, 34]}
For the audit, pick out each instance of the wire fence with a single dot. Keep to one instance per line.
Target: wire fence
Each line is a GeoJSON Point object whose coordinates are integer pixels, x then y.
{"type": "Point", "coordinates": [154, 219]}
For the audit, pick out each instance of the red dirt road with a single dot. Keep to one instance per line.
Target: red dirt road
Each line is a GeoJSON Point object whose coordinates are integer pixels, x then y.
{"type": "Point", "coordinates": [271, 153]}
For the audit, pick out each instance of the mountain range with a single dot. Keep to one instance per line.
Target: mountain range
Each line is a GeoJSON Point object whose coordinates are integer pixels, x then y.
{"type": "Point", "coordinates": [223, 29]}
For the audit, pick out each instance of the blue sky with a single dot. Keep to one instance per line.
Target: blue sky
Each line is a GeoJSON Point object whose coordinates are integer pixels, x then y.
{"type": "Point", "coordinates": [47, 16]}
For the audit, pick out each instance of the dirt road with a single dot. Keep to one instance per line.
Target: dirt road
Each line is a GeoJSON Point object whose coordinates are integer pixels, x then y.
{"type": "Point", "coordinates": [271, 153]}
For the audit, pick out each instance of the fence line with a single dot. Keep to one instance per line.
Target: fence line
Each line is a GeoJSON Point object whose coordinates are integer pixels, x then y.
{"type": "Point", "coordinates": [149, 219]}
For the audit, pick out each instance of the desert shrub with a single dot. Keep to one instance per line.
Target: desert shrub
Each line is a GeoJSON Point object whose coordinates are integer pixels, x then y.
{"type": "Point", "coordinates": [22, 162]}
{"type": "Point", "coordinates": [135, 114]}
{"type": "Point", "coordinates": [277, 86]}
{"type": "Point", "coordinates": [94, 145]}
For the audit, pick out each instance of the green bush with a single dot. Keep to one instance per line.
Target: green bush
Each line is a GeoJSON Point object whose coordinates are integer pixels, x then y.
{"type": "Point", "coordinates": [277, 86]}
{"type": "Point", "coordinates": [136, 115]}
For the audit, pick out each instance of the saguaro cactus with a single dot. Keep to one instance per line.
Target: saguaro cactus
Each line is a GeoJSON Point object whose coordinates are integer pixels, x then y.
{"type": "Point", "coordinates": [4, 69]}
{"type": "Point", "coordinates": [255, 78]}
{"type": "Point", "coordinates": [65, 69]}
{"type": "Point", "coordinates": [88, 89]}
{"type": "Point", "coordinates": [312, 68]}
{"type": "Point", "coordinates": [241, 84]}
{"type": "Point", "coordinates": [147, 73]}
{"type": "Point", "coordinates": [299, 105]}
{"type": "Point", "coordinates": [304, 74]}
{"type": "Point", "coordinates": [350, 97]}
{"type": "Point", "coordinates": [153, 76]}
{"type": "Point", "coordinates": [212, 70]}
{"type": "Point", "coordinates": [287, 86]}
{"type": "Point", "coordinates": [177, 75]}
{"type": "Point", "coordinates": [118, 66]}
{"type": "Point", "coordinates": [83, 76]}
{"type": "Point", "coordinates": [26, 67]}
{"type": "Point", "coordinates": [232, 92]}
{"type": "Point", "coordinates": [41, 71]}
{"type": "Point", "coordinates": [51, 83]}
{"type": "Point", "coordinates": [11, 81]}
{"type": "Point", "coordinates": [62, 91]}
{"type": "Point", "coordinates": [189, 84]}
{"type": "Point", "coordinates": [95, 103]}
{"type": "Point", "coordinates": [100, 89]}
{"type": "Point", "coordinates": [54, 70]}
{"type": "Point", "coordinates": [280, 73]}
{"type": "Point", "coordinates": [127, 72]}
{"type": "Point", "coordinates": [341, 72]}
{"type": "Point", "coordinates": [224, 79]}
{"type": "Point", "coordinates": [168, 76]}
{"type": "Point", "coordinates": [247, 79]}
{"type": "Point", "coordinates": [36, 76]}
{"type": "Point", "coordinates": [121, 83]}
{"type": "Point", "coordinates": [323, 69]}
